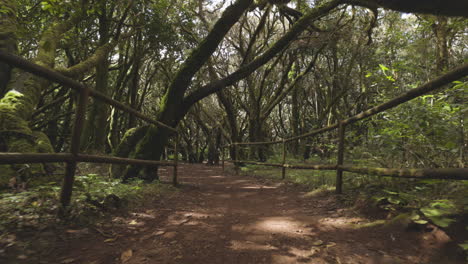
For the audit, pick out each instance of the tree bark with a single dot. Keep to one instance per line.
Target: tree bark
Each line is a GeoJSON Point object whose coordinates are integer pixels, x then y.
{"type": "Point", "coordinates": [433, 7]}
{"type": "Point", "coordinates": [174, 106]}
{"type": "Point", "coordinates": [24, 93]}
{"type": "Point", "coordinates": [170, 113]}
{"type": "Point", "coordinates": [97, 125]}
{"type": "Point", "coordinates": [7, 39]}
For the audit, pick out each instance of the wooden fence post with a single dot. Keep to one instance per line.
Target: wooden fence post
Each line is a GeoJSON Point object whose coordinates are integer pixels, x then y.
{"type": "Point", "coordinates": [339, 172]}
{"type": "Point", "coordinates": [176, 159]}
{"type": "Point", "coordinates": [68, 180]}
{"type": "Point", "coordinates": [283, 169]}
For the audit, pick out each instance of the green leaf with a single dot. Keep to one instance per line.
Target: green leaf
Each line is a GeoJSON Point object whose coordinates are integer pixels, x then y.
{"type": "Point", "coordinates": [383, 67]}
{"type": "Point", "coordinates": [438, 216]}
{"type": "Point", "coordinates": [464, 246]}
{"type": "Point", "coordinates": [393, 200]}
{"type": "Point", "coordinates": [391, 192]}
{"type": "Point", "coordinates": [421, 222]}
{"type": "Point", "coordinates": [442, 221]}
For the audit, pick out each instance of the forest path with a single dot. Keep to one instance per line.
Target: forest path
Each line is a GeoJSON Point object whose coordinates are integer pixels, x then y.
{"type": "Point", "coordinates": [218, 218]}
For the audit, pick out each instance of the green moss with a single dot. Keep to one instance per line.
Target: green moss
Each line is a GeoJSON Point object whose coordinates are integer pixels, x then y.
{"type": "Point", "coordinates": [129, 141]}
{"type": "Point", "coordinates": [127, 146]}
{"type": "Point", "coordinates": [8, 29]}
{"type": "Point", "coordinates": [149, 147]}
{"type": "Point", "coordinates": [401, 220]}
{"type": "Point", "coordinates": [18, 137]}
{"type": "Point", "coordinates": [7, 172]}
{"type": "Point", "coordinates": [42, 142]}
{"type": "Point", "coordinates": [20, 145]}
{"type": "Point", "coordinates": [12, 106]}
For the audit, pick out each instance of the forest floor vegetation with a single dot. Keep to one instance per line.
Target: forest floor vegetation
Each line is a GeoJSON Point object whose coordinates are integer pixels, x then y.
{"type": "Point", "coordinates": [216, 217]}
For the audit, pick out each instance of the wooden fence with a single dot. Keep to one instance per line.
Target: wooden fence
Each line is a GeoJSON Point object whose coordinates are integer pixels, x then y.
{"type": "Point", "coordinates": [428, 173]}
{"type": "Point", "coordinates": [74, 156]}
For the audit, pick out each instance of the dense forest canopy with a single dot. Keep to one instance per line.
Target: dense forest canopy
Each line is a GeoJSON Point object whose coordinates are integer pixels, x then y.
{"type": "Point", "coordinates": [231, 71]}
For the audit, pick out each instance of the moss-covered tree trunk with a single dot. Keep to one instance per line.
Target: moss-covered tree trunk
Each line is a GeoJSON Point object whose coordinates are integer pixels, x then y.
{"type": "Point", "coordinates": [8, 29]}
{"type": "Point", "coordinates": [175, 104]}
{"type": "Point", "coordinates": [95, 133]}
{"type": "Point", "coordinates": [24, 92]}
{"type": "Point", "coordinates": [134, 83]}
{"type": "Point", "coordinates": [21, 99]}
{"type": "Point", "coordinates": [152, 144]}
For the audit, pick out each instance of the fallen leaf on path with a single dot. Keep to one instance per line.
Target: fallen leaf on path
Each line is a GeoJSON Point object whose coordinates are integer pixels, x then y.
{"type": "Point", "coordinates": [318, 243]}
{"type": "Point", "coordinates": [109, 240]}
{"type": "Point", "coordinates": [331, 244]}
{"type": "Point", "coordinates": [126, 255]}
{"type": "Point", "coordinates": [159, 233]}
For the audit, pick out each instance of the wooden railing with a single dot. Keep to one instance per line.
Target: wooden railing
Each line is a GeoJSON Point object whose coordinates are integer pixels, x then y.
{"type": "Point", "coordinates": [74, 156]}
{"type": "Point", "coordinates": [427, 173]}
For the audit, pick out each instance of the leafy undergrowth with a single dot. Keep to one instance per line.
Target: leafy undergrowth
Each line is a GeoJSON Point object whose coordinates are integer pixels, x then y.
{"type": "Point", "coordinates": [96, 201]}
{"type": "Point", "coordinates": [420, 202]}
{"type": "Point", "coordinates": [93, 197]}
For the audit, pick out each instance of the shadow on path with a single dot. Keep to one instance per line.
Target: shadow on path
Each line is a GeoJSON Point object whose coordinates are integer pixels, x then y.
{"type": "Point", "coordinates": [220, 218]}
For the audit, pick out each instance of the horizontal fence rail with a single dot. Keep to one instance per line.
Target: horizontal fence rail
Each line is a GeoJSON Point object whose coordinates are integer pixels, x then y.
{"type": "Point", "coordinates": [71, 159]}
{"type": "Point", "coordinates": [19, 158]}
{"type": "Point", "coordinates": [59, 78]}
{"type": "Point", "coordinates": [445, 79]}
{"type": "Point", "coordinates": [442, 173]}
{"type": "Point", "coordinates": [428, 173]}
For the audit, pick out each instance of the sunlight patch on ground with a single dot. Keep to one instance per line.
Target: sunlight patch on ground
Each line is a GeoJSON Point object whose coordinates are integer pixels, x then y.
{"type": "Point", "coordinates": [318, 191]}
{"type": "Point", "coordinates": [299, 252]}
{"type": "Point", "coordinates": [280, 259]}
{"type": "Point", "coordinates": [249, 245]}
{"type": "Point", "coordinates": [252, 187]}
{"type": "Point", "coordinates": [341, 222]}
{"type": "Point", "coordinates": [279, 224]}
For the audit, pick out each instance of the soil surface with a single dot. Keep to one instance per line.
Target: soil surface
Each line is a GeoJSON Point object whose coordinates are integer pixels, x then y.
{"type": "Point", "coordinates": [221, 218]}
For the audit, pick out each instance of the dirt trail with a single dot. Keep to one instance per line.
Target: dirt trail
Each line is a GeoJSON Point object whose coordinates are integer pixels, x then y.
{"type": "Point", "coordinates": [218, 218]}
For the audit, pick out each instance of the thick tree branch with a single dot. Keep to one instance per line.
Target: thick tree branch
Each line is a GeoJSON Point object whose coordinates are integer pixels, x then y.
{"type": "Point", "coordinates": [279, 45]}
{"type": "Point", "coordinates": [434, 7]}
{"type": "Point", "coordinates": [203, 52]}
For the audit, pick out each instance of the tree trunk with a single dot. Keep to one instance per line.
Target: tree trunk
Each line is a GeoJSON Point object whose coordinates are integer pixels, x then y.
{"type": "Point", "coordinates": [152, 144]}
{"type": "Point", "coordinates": [441, 30]}
{"type": "Point", "coordinates": [18, 104]}
{"type": "Point", "coordinates": [135, 78]}
{"type": "Point", "coordinates": [175, 104]}
{"type": "Point", "coordinates": [7, 40]}
{"type": "Point", "coordinates": [295, 122]}
{"type": "Point", "coordinates": [97, 125]}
